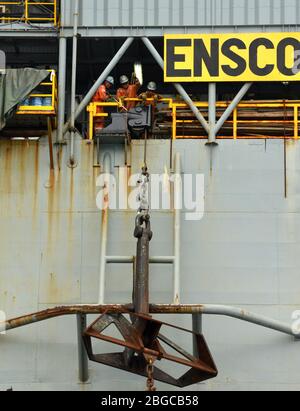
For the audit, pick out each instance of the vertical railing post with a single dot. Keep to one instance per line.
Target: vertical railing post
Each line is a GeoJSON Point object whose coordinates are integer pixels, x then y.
{"type": "Point", "coordinates": [174, 123]}
{"type": "Point", "coordinates": [55, 12]}
{"type": "Point", "coordinates": [296, 122]}
{"type": "Point", "coordinates": [26, 11]}
{"type": "Point", "coordinates": [83, 364]}
{"type": "Point", "coordinates": [197, 329]}
{"type": "Point", "coordinates": [107, 166]}
{"type": "Point", "coordinates": [177, 227]}
{"type": "Point", "coordinates": [235, 124]}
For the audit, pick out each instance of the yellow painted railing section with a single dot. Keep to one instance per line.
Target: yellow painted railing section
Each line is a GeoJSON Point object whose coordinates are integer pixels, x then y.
{"type": "Point", "coordinates": [28, 16]}
{"type": "Point", "coordinates": [50, 86]}
{"type": "Point", "coordinates": [92, 110]}
{"type": "Point", "coordinates": [234, 120]}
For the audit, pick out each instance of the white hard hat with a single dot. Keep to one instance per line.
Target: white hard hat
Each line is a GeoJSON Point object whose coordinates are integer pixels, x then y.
{"type": "Point", "coordinates": [152, 86]}
{"type": "Point", "coordinates": [124, 79]}
{"type": "Point", "coordinates": [110, 80]}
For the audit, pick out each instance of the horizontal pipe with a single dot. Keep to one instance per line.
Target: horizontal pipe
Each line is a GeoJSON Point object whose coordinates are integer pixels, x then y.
{"type": "Point", "coordinates": [206, 309]}
{"type": "Point", "coordinates": [60, 312]}
{"type": "Point", "coordinates": [130, 260]}
{"type": "Point", "coordinates": [119, 260]}
{"type": "Point", "coordinates": [228, 311]}
{"type": "Point", "coordinates": [162, 260]}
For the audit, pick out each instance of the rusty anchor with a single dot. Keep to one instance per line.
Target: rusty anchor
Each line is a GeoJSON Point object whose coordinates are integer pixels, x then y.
{"type": "Point", "coordinates": [143, 341]}
{"type": "Point", "coordinates": [145, 346]}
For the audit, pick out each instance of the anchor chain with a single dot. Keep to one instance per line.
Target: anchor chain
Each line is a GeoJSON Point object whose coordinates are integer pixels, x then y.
{"type": "Point", "coordinates": [150, 381]}
{"type": "Point", "coordinates": [143, 195]}
{"type": "Point", "coordinates": [143, 182]}
{"type": "Point", "coordinates": [143, 230]}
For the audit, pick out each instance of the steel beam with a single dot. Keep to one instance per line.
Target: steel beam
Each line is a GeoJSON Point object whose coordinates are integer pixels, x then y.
{"type": "Point", "coordinates": [21, 31]}
{"type": "Point", "coordinates": [160, 31]}
{"type": "Point", "coordinates": [73, 85]}
{"type": "Point", "coordinates": [178, 86]}
{"type": "Point", "coordinates": [17, 30]}
{"type": "Point", "coordinates": [235, 102]}
{"type": "Point", "coordinates": [61, 87]}
{"type": "Point", "coordinates": [212, 113]}
{"type": "Point", "coordinates": [114, 61]}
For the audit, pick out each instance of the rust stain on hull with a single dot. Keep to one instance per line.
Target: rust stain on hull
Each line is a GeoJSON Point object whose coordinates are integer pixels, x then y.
{"type": "Point", "coordinates": [70, 245]}
{"type": "Point", "coordinates": [54, 199]}
{"type": "Point", "coordinates": [7, 186]}
{"type": "Point", "coordinates": [51, 190]}
{"type": "Point", "coordinates": [36, 179]}
{"type": "Point", "coordinates": [53, 287]}
{"type": "Point", "coordinates": [71, 199]}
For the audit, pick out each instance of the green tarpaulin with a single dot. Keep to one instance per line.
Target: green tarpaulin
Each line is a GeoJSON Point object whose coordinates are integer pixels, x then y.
{"type": "Point", "coordinates": [15, 86]}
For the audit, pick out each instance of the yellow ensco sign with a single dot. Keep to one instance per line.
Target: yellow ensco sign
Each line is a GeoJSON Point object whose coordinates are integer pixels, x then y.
{"type": "Point", "coordinates": [232, 57]}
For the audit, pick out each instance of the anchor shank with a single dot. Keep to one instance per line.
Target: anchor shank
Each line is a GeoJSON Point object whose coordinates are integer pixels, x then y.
{"type": "Point", "coordinates": [141, 286]}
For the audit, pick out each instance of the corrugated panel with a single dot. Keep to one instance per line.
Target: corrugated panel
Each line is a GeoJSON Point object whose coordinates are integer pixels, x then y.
{"type": "Point", "coordinates": [153, 13]}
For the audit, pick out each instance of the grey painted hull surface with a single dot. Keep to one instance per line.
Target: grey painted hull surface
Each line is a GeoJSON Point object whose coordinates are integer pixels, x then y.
{"type": "Point", "coordinates": [244, 252]}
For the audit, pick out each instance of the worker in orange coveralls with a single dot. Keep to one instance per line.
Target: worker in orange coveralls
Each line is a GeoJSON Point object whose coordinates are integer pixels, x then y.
{"type": "Point", "coordinates": [128, 90]}
{"type": "Point", "coordinates": [102, 96]}
{"type": "Point", "coordinates": [151, 93]}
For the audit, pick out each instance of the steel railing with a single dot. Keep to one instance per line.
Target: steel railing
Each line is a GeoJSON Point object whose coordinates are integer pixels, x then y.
{"type": "Point", "coordinates": [50, 86]}
{"type": "Point", "coordinates": [92, 109]}
{"type": "Point", "coordinates": [284, 119]}
{"type": "Point", "coordinates": [287, 118]}
{"type": "Point", "coordinates": [27, 11]}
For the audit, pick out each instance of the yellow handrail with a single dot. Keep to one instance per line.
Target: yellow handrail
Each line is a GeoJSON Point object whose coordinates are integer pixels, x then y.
{"type": "Point", "coordinates": [92, 109]}
{"type": "Point", "coordinates": [52, 94]}
{"type": "Point", "coordinates": [28, 17]}
{"type": "Point", "coordinates": [235, 120]}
